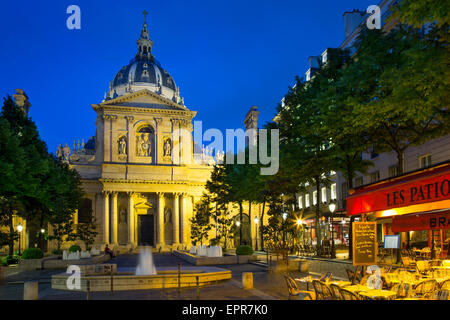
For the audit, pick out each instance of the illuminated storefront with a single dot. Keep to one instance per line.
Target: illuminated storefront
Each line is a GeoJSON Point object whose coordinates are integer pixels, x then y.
{"type": "Point", "coordinates": [415, 205]}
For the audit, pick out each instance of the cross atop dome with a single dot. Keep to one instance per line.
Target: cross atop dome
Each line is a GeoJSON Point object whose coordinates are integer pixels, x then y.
{"type": "Point", "coordinates": [144, 43]}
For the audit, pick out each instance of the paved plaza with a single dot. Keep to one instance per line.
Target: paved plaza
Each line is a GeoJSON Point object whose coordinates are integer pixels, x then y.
{"type": "Point", "coordinates": [266, 285]}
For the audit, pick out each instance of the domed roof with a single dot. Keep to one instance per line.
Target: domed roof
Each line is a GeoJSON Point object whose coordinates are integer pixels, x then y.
{"type": "Point", "coordinates": [144, 72]}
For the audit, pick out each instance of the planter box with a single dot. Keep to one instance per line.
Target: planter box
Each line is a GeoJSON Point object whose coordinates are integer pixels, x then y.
{"type": "Point", "coordinates": [205, 261]}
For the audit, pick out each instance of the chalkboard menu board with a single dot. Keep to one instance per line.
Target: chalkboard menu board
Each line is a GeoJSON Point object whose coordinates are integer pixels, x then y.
{"type": "Point", "coordinates": [364, 243]}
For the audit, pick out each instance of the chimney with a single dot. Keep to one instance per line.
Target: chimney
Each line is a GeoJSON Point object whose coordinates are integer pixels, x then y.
{"type": "Point", "coordinates": [21, 100]}
{"type": "Point", "coordinates": [352, 20]}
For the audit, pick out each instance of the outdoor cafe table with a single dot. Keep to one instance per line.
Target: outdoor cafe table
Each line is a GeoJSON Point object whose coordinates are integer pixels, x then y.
{"type": "Point", "coordinates": [340, 283]}
{"type": "Point", "coordinates": [378, 294]}
{"type": "Point", "coordinates": [357, 288]}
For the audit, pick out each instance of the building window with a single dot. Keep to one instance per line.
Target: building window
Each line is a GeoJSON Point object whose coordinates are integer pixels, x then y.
{"type": "Point", "coordinates": [374, 176]}
{"type": "Point", "coordinates": [393, 171]}
{"type": "Point", "coordinates": [306, 200]}
{"type": "Point", "coordinates": [425, 161]}
{"type": "Point", "coordinates": [300, 202]}
{"type": "Point", "coordinates": [314, 197]}
{"type": "Point", "coordinates": [324, 194]}
{"type": "Point", "coordinates": [333, 192]}
{"type": "Point", "coordinates": [359, 182]}
{"type": "Point", "coordinates": [372, 152]}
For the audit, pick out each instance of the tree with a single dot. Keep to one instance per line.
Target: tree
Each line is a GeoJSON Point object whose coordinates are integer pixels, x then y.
{"type": "Point", "coordinates": [400, 97]}
{"type": "Point", "coordinates": [200, 222]}
{"type": "Point", "coordinates": [86, 232]}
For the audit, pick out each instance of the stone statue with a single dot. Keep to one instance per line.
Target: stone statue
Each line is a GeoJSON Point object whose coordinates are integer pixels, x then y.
{"type": "Point", "coordinates": [167, 148]}
{"type": "Point", "coordinates": [123, 216]}
{"type": "Point", "coordinates": [66, 152]}
{"type": "Point", "coordinates": [59, 152]}
{"type": "Point", "coordinates": [144, 145]}
{"type": "Point", "coordinates": [167, 215]}
{"type": "Point", "coordinates": [122, 146]}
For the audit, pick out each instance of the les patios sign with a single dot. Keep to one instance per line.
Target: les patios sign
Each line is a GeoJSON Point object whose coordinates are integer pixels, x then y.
{"type": "Point", "coordinates": [415, 189]}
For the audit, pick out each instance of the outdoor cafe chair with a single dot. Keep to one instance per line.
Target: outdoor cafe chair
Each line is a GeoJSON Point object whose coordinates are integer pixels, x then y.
{"type": "Point", "coordinates": [336, 291]}
{"type": "Point", "coordinates": [351, 275]}
{"type": "Point", "coordinates": [445, 285]}
{"type": "Point", "coordinates": [403, 290]}
{"type": "Point", "coordinates": [425, 288]}
{"type": "Point", "coordinates": [293, 289]}
{"type": "Point", "coordinates": [323, 292]}
{"type": "Point", "coordinates": [348, 295]}
{"type": "Point", "coordinates": [422, 266]}
{"type": "Point", "coordinates": [440, 295]}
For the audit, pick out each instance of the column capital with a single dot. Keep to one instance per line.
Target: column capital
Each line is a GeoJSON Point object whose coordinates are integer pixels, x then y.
{"type": "Point", "coordinates": [177, 194]}
{"type": "Point", "coordinates": [158, 120]}
{"type": "Point", "coordinates": [106, 193]}
{"type": "Point", "coordinates": [110, 117]}
{"type": "Point", "coordinates": [160, 194]}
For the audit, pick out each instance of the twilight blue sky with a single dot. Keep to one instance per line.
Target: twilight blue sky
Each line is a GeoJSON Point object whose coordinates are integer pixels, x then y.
{"type": "Point", "coordinates": [225, 55]}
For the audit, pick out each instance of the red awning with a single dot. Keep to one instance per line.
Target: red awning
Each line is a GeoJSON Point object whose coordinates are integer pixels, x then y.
{"type": "Point", "coordinates": [421, 221]}
{"type": "Point", "coordinates": [425, 186]}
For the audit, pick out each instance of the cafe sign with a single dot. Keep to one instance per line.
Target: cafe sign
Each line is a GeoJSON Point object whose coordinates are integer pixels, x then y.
{"type": "Point", "coordinates": [401, 192]}
{"type": "Point", "coordinates": [422, 221]}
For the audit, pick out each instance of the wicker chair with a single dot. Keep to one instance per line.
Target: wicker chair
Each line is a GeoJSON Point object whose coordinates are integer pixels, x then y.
{"type": "Point", "coordinates": [351, 275]}
{"type": "Point", "coordinates": [336, 291]}
{"type": "Point", "coordinates": [445, 285]}
{"type": "Point", "coordinates": [348, 295]}
{"type": "Point", "coordinates": [323, 292]}
{"type": "Point", "coordinates": [403, 290]}
{"type": "Point", "coordinates": [293, 289]}
{"type": "Point", "coordinates": [425, 289]}
{"type": "Point", "coordinates": [440, 295]}
{"type": "Point", "coordinates": [422, 266]}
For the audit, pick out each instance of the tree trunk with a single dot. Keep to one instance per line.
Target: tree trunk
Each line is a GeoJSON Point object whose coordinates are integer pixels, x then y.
{"type": "Point", "coordinates": [400, 159]}
{"type": "Point", "coordinates": [11, 233]}
{"type": "Point", "coordinates": [260, 227]}
{"type": "Point", "coordinates": [352, 218]}
{"type": "Point", "coordinates": [318, 235]}
{"type": "Point", "coordinates": [240, 222]}
{"type": "Point", "coordinates": [250, 222]}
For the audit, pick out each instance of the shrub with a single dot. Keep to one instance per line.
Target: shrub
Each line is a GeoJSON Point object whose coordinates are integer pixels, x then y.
{"type": "Point", "coordinates": [244, 250]}
{"type": "Point", "coordinates": [75, 248]}
{"type": "Point", "coordinates": [32, 253]}
{"type": "Point", "coordinates": [12, 260]}
{"type": "Point", "coordinates": [57, 252]}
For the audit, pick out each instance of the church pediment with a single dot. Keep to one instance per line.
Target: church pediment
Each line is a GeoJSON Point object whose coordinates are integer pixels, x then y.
{"type": "Point", "coordinates": [144, 99]}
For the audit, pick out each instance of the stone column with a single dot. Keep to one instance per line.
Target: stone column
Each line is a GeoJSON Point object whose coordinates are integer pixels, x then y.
{"type": "Point", "coordinates": [105, 217]}
{"type": "Point", "coordinates": [114, 218]}
{"type": "Point", "coordinates": [130, 154]}
{"type": "Point", "coordinates": [183, 218]}
{"type": "Point", "coordinates": [176, 218]}
{"type": "Point", "coordinates": [160, 219]}
{"type": "Point", "coordinates": [131, 239]}
{"type": "Point", "coordinates": [158, 143]}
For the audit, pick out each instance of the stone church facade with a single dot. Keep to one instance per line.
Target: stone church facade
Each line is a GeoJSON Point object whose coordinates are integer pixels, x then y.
{"type": "Point", "coordinates": [139, 174]}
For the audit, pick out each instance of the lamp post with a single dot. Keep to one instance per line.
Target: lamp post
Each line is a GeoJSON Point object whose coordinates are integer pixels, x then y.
{"type": "Point", "coordinates": [284, 226]}
{"type": "Point", "coordinates": [20, 228]}
{"type": "Point", "coordinates": [256, 220]}
{"type": "Point", "coordinates": [332, 208]}
{"type": "Point", "coordinates": [238, 223]}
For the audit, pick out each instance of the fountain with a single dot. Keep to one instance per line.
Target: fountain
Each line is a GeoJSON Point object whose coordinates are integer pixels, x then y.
{"type": "Point", "coordinates": [146, 267]}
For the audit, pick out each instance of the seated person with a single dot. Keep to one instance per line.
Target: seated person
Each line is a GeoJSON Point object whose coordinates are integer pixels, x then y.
{"type": "Point", "coordinates": [109, 251]}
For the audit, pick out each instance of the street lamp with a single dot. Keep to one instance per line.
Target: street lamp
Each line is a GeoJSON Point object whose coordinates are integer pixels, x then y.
{"type": "Point", "coordinates": [256, 220]}
{"type": "Point", "coordinates": [20, 228]}
{"type": "Point", "coordinates": [332, 208]}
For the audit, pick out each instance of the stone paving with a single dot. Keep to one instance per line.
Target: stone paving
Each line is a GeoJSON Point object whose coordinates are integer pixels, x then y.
{"type": "Point", "coordinates": [266, 286]}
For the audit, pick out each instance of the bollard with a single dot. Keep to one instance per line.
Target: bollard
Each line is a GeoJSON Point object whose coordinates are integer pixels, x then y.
{"type": "Point", "coordinates": [270, 268]}
{"type": "Point", "coordinates": [30, 290]}
{"type": "Point", "coordinates": [247, 280]}
{"type": "Point", "coordinates": [179, 278]}
{"type": "Point", "coordinates": [198, 288]}
{"type": "Point", "coordinates": [88, 290]}
{"type": "Point", "coordinates": [112, 285]}
{"type": "Point", "coordinates": [2, 275]}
